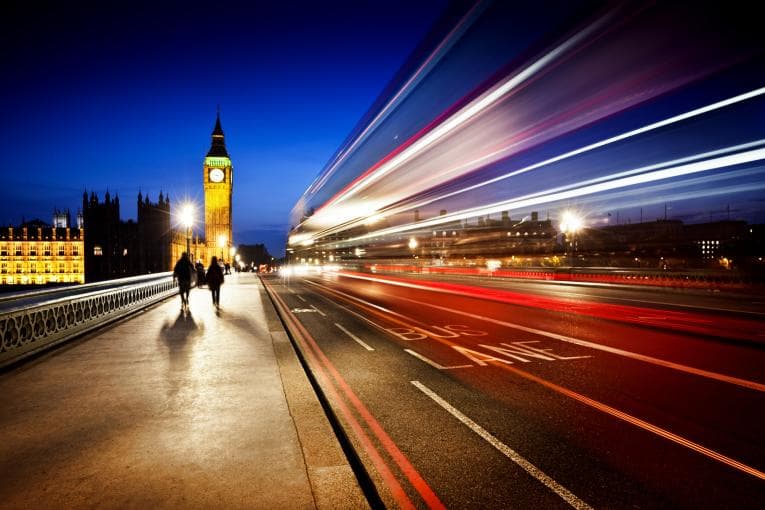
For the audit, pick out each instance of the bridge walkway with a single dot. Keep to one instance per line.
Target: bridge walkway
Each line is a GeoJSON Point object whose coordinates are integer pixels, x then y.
{"type": "Point", "coordinates": [172, 410]}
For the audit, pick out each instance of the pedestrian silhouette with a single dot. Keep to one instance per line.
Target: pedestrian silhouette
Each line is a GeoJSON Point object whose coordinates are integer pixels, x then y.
{"type": "Point", "coordinates": [200, 273]}
{"type": "Point", "coordinates": [183, 271]}
{"type": "Point", "coordinates": [215, 280]}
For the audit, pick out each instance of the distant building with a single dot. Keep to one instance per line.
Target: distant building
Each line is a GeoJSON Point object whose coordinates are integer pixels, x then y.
{"type": "Point", "coordinates": [35, 253]}
{"type": "Point", "coordinates": [116, 248]}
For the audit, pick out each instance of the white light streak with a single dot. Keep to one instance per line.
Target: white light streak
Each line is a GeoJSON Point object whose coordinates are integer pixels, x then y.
{"type": "Point", "coordinates": [617, 138]}
{"type": "Point", "coordinates": [473, 109]}
{"type": "Point", "coordinates": [667, 173]}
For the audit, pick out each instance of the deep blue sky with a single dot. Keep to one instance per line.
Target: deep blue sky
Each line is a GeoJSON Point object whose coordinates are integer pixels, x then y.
{"type": "Point", "coordinates": [123, 96]}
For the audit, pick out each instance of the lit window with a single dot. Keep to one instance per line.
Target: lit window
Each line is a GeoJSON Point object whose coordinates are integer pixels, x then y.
{"type": "Point", "coordinates": [18, 268]}
{"type": "Point", "coordinates": [33, 268]}
{"type": "Point", "coordinates": [46, 249]}
{"type": "Point", "coordinates": [97, 251]}
{"type": "Point", "coordinates": [18, 249]}
{"type": "Point", "coordinates": [61, 267]}
{"type": "Point", "coordinates": [4, 268]}
{"type": "Point", "coordinates": [124, 252]}
{"type": "Point", "coordinates": [61, 249]}
{"type": "Point", "coordinates": [75, 250]}
{"type": "Point", "coordinates": [32, 250]}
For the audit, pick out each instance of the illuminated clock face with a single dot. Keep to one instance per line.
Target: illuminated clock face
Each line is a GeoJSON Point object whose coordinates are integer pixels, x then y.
{"type": "Point", "coordinates": [216, 175]}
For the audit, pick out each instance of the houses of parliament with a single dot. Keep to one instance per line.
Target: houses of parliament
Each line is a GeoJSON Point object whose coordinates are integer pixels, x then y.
{"type": "Point", "coordinates": [101, 246]}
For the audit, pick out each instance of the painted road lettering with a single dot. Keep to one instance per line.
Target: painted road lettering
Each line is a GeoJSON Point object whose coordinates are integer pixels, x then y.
{"type": "Point", "coordinates": [518, 351]}
{"type": "Point", "coordinates": [447, 331]}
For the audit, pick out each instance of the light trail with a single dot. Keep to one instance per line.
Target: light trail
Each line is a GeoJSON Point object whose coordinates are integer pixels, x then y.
{"type": "Point", "coordinates": [537, 199]}
{"type": "Point", "coordinates": [344, 217]}
{"type": "Point", "coordinates": [461, 117]}
{"type": "Point", "coordinates": [608, 141]}
{"type": "Point", "coordinates": [404, 91]}
{"type": "Point", "coordinates": [752, 385]}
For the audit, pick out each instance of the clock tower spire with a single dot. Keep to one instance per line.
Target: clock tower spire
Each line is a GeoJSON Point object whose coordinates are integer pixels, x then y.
{"type": "Point", "coordinates": [218, 178]}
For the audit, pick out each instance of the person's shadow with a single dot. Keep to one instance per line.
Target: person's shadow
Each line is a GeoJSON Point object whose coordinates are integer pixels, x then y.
{"type": "Point", "coordinates": [179, 337]}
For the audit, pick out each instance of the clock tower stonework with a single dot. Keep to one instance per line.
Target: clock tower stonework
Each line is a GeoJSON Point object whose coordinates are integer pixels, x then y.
{"type": "Point", "coordinates": [218, 178]}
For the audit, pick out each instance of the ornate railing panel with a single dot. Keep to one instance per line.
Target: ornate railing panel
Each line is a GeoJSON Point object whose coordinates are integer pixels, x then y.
{"type": "Point", "coordinates": [32, 328]}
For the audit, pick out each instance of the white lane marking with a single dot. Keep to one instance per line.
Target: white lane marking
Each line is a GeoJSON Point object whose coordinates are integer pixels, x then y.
{"type": "Point", "coordinates": [613, 350]}
{"type": "Point", "coordinates": [290, 290]}
{"type": "Point", "coordinates": [301, 298]}
{"type": "Point", "coordinates": [367, 303]}
{"type": "Point", "coordinates": [322, 313]}
{"type": "Point", "coordinates": [356, 314]}
{"type": "Point", "coordinates": [433, 363]}
{"type": "Point", "coordinates": [511, 454]}
{"type": "Point", "coordinates": [584, 343]}
{"type": "Point", "coordinates": [354, 337]}
{"type": "Point", "coordinates": [303, 310]}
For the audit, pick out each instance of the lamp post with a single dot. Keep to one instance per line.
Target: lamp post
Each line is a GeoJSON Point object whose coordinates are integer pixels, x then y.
{"type": "Point", "coordinates": [187, 218]}
{"type": "Point", "coordinates": [570, 224]}
{"type": "Point", "coordinates": [221, 244]}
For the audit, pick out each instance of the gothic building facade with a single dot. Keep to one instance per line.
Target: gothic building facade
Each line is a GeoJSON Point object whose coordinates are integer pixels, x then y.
{"type": "Point", "coordinates": [114, 248]}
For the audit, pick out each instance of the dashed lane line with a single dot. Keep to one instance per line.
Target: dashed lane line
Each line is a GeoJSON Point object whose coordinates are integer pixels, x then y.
{"type": "Point", "coordinates": [320, 312]}
{"type": "Point", "coordinates": [354, 337]}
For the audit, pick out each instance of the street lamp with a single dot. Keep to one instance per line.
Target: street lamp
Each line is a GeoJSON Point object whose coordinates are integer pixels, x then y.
{"type": "Point", "coordinates": [413, 246]}
{"type": "Point", "coordinates": [187, 219]}
{"type": "Point", "coordinates": [222, 244]}
{"type": "Point", "coordinates": [570, 224]}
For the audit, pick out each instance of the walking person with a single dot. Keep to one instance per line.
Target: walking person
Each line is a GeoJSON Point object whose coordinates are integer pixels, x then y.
{"type": "Point", "coordinates": [183, 271]}
{"type": "Point", "coordinates": [215, 280]}
{"type": "Point", "coordinates": [200, 273]}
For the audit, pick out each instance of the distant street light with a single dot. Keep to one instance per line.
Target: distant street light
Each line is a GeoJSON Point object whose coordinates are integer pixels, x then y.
{"type": "Point", "coordinates": [187, 219]}
{"type": "Point", "coordinates": [570, 224]}
{"type": "Point", "coordinates": [222, 244]}
{"type": "Point", "coordinates": [413, 246]}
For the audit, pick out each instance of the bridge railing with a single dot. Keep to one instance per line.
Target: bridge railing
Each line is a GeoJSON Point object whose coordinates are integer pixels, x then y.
{"type": "Point", "coordinates": [32, 322]}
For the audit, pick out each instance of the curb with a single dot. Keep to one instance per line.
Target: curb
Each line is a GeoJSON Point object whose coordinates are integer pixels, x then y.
{"type": "Point", "coordinates": [337, 477]}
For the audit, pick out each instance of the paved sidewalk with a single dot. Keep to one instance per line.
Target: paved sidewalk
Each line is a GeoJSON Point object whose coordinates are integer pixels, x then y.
{"type": "Point", "coordinates": [169, 410]}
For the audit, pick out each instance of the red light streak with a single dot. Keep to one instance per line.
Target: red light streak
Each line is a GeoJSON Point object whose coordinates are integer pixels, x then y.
{"type": "Point", "coordinates": [689, 322]}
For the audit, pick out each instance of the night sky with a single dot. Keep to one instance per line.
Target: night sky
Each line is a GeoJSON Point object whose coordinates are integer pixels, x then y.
{"type": "Point", "coordinates": [122, 96]}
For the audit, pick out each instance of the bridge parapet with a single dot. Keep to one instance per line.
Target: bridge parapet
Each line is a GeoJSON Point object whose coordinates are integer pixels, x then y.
{"type": "Point", "coordinates": [57, 316]}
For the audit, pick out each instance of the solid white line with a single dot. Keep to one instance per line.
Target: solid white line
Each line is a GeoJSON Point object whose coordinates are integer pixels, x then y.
{"type": "Point", "coordinates": [511, 454]}
{"type": "Point", "coordinates": [354, 337]}
{"type": "Point", "coordinates": [301, 298]}
{"type": "Point", "coordinates": [322, 313]}
{"type": "Point", "coordinates": [433, 363]}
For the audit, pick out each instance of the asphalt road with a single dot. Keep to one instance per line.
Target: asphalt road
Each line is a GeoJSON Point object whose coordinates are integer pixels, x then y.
{"type": "Point", "coordinates": [461, 395]}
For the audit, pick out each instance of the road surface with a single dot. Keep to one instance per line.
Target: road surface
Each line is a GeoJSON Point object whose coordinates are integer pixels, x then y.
{"type": "Point", "coordinates": [463, 395]}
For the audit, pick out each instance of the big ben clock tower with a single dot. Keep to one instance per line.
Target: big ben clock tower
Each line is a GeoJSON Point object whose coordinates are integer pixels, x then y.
{"type": "Point", "coordinates": [219, 182]}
